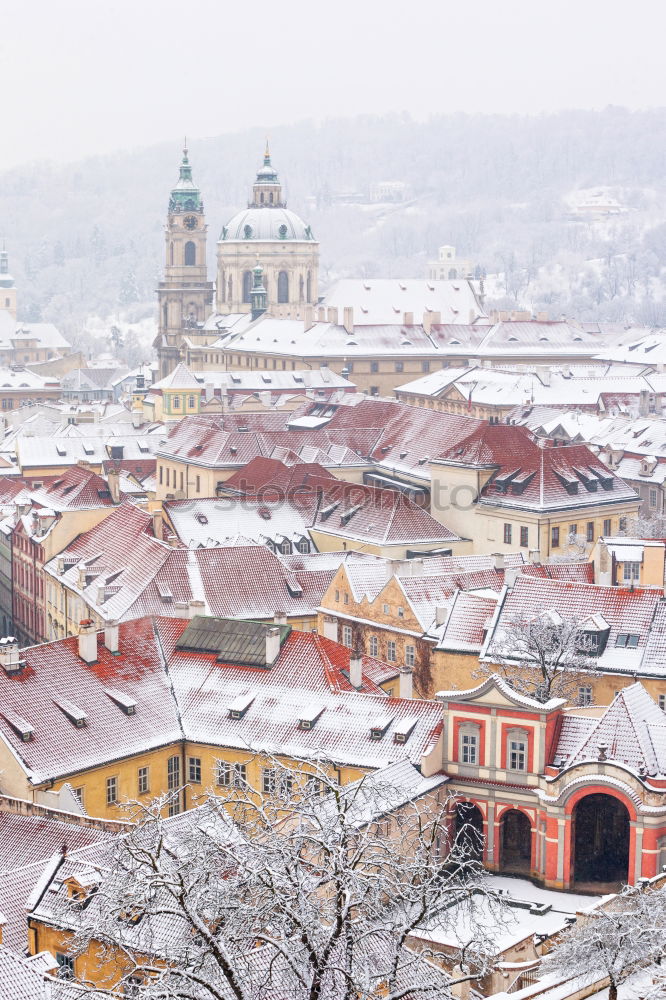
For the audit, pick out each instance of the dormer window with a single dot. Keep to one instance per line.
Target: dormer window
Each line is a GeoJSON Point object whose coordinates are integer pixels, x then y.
{"type": "Point", "coordinates": [379, 727]}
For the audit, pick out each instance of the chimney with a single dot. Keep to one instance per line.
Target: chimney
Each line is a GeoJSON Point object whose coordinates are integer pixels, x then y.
{"type": "Point", "coordinates": [111, 637]}
{"type": "Point", "coordinates": [510, 574]}
{"type": "Point", "coordinates": [355, 668]}
{"type": "Point", "coordinates": [427, 321]}
{"type": "Point", "coordinates": [88, 641]}
{"type": "Point", "coordinates": [348, 321]}
{"type": "Point", "coordinates": [644, 403]}
{"type": "Point", "coordinates": [272, 645]}
{"type": "Point", "coordinates": [542, 317]}
{"type": "Point", "coordinates": [308, 318]}
{"type": "Point", "coordinates": [441, 615]}
{"type": "Point", "coordinates": [535, 556]}
{"type": "Point", "coordinates": [408, 319]}
{"type": "Point", "coordinates": [173, 540]}
{"type": "Point", "coordinates": [9, 655]}
{"type": "Point", "coordinates": [113, 479]}
{"type": "Point", "coordinates": [157, 522]}
{"type": "Point", "coordinates": [333, 315]}
{"type": "Point", "coordinates": [280, 618]}
{"type": "Point", "coordinates": [406, 682]}
{"type": "Point", "coordinates": [321, 314]}
{"type": "Point", "coordinates": [195, 608]}
{"type": "Point", "coordinates": [137, 417]}
{"type": "Point", "coordinates": [499, 560]}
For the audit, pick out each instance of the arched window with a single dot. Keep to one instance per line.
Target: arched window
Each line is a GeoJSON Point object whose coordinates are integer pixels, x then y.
{"type": "Point", "coordinates": [283, 287]}
{"type": "Point", "coordinates": [262, 198]}
{"type": "Point", "coordinates": [270, 197]}
{"type": "Point", "coordinates": [303, 545]}
{"type": "Point", "coordinates": [190, 254]}
{"type": "Point", "coordinates": [516, 750]}
{"type": "Point", "coordinates": [309, 288]}
{"type": "Point", "coordinates": [223, 286]}
{"type": "Point", "coordinates": [285, 547]}
{"type": "Point", "coordinates": [171, 253]}
{"type": "Point", "coordinates": [230, 288]}
{"type": "Point", "coordinates": [176, 402]}
{"type": "Point", "coordinates": [192, 404]}
{"type": "Point", "coordinates": [247, 286]}
{"type": "Point", "coordinates": [453, 273]}
{"type": "Point", "coordinates": [301, 285]}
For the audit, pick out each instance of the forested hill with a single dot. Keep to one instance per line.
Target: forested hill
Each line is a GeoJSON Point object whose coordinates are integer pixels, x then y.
{"type": "Point", "coordinates": [87, 238]}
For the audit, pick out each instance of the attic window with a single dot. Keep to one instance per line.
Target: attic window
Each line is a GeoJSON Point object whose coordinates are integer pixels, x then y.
{"type": "Point", "coordinates": [266, 378]}
{"type": "Point", "coordinates": [143, 447]}
{"type": "Point", "coordinates": [309, 715]}
{"type": "Point", "coordinates": [297, 378]}
{"type": "Point", "coordinates": [326, 512]}
{"type": "Point", "coordinates": [165, 593]}
{"type": "Point", "coordinates": [379, 727]}
{"type": "Point", "coordinates": [88, 449]}
{"type": "Point", "coordinates": [75, 714]}
{"type": "Point", "coordinates": [122, 700]}
{"type": "Point", "coordinates": [239, 707]}
{"type": "Point", "coordinates": [347, 515]}
{"type": "Point", "coordinates": [235, 378]}
{"type": "Point", "coordinates": [404, 730]}
{"type": "Point", "coordinates": [625, 640]}
{"type": "Point", "coordinates": [201, 518]}
{"type": "Point", "coordinates": [23, 729]}
{"type": "Point", "coordinates": [62, 451]}
{"type": "Point", "coordinates": [265, 513]}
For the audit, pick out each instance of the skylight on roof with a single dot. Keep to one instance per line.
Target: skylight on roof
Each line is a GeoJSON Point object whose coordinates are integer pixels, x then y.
{"type": "Point", "coordinates": [309, 715]}
{"type": "Point", "coordinates": [240, 705]}
{"type": "Point", "coordinates": [75, 714]}
{"type": "Point", "coordinates": [122, 700]}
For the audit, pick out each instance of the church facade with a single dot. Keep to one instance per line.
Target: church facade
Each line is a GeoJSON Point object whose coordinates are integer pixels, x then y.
{"type": "Point", "coordinates": [264, 248]}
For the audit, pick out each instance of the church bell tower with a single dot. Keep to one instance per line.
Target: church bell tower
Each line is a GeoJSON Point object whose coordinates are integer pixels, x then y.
{"type": "Point", "coordinates": [185, 295]}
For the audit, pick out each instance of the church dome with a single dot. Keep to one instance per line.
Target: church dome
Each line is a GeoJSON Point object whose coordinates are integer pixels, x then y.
{"type": "Point", "coordinates": [266, 223]}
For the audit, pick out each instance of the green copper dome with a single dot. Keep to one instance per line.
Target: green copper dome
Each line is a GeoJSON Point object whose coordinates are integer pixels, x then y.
{"type": "Point", "coordinates": [185, 196]}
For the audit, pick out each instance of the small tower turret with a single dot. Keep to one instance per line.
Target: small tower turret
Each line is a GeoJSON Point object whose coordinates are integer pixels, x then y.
{"type": "Point", "coordinates": [258, 294]}
{"type": "Point", "coordinates": [267, 190]}
{"type": "Point", "coordinates": [185, 296]}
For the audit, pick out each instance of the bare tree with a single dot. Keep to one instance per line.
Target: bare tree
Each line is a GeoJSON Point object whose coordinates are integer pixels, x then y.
{"type": "Point", "coordinates": [310, 891]}
{"type": "Point", "coordinates": [616, 940]}
{"type": "Point", "coordinates": [547, 656]}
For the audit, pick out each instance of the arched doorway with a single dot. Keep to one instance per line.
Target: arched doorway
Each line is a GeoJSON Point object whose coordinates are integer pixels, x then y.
{"type": "Point", "coordinates": [600, 840]}
{"type": "Point", "coordinates": [515, 841]}
{"type": "Point", "coordinates": [469, 830]}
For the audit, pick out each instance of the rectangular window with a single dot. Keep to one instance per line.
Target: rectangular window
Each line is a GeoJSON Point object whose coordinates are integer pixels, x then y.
{"type": "Point", "coordinates": [231, 775]}
{"type": "Point", "coordinates": [111, 791]}
{"type": "Point", "coordinates": [410, 655]}
{"type": "Point", "coordinates": [374, 366]}
{"type": "Point", "coordinates": [65, 965]}
{"type": "Point", "coordinates": [584, 696]}
{"type": "Point", "coordinates": [173, 773]}
{"type": "Point", "coordinates": [589, 534]}
{"type": "Point", "coordinates": [346, 636]}
{"type": "Point", "coordinates": [469, 748]}
{"type": "Point", "coordinates": [607, 526]}
{"type": "Point", "coordinates": [555, 538]}
{"type": "Point", "coordinates": [276, 782]}
{"type": "Point", "coordinates": [425, 366]}
{"type": "Point", "coordinates": [662, 702]}
{"type": "Point", "coordinates": [507, 534]}
{"type": "Point", "coordinates": [346, 598]}
{"type": "Point", "coordinates": [143, 780]}
{"type": "Point", "coordinates": [524, 536]}
{"type": "Point", "coordinates": [80, 794]}
{"type": "Point", "coordinates": [391, 654]}
{"type": "Point", "coordinates": [401, 611]}
{"type": "Point", "coordinates": [631, 570]}
{"type": "Point", "coordinates": [161, 471]}
{"type": "Point", "coordinates": [198, 484]}
{"type": "Point", "coordinates": [653, 498]}
{"type": "Point", "coordinates": [194, 770]}
{"type": "Point", "coordinates": [374, 645]}
{"type": "Point", "coordinates": [573, 530]}
{"type": "Point", "coordinates": [399, 366]}
{"type": "Point", "coordinates": [517, 755]}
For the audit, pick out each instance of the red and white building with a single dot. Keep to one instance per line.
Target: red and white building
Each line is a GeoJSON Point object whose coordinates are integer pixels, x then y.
{"type": "Point", "coordinates": [575, 798]}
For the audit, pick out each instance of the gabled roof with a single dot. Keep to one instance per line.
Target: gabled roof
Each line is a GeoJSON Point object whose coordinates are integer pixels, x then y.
{"type": "Point", "coordinates": [632, 730]}
{"type": "Point", "coordinates": [77, 489]}
{"type": "Point", "coordinates": [495, 687]}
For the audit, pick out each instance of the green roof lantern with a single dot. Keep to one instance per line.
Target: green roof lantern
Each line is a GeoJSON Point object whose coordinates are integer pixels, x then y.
{"type": "Point", "coordinates": [185, 196]}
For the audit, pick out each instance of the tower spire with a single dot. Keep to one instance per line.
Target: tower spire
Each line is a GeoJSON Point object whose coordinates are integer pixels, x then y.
{"type": "Point", "coordinates": [267, 155]}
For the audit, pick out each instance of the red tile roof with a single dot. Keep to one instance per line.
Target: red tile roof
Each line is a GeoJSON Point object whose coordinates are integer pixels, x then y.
{"type": "Point", "coordinates": [77, 489]}
{"type": "Point", "coordinates": [189, 702]}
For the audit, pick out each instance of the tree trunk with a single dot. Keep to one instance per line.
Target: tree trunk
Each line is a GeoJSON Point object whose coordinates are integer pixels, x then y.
{"type": "Point", "coordinates": [612, 990]}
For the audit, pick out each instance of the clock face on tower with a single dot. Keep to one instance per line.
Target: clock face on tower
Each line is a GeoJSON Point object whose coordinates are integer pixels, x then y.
{"type": "Point", "coordinates": [190, 222]}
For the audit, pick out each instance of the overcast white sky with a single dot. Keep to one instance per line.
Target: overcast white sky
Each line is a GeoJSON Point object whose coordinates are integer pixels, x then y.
{"type": "Point", "coordinates": [81, 77]}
